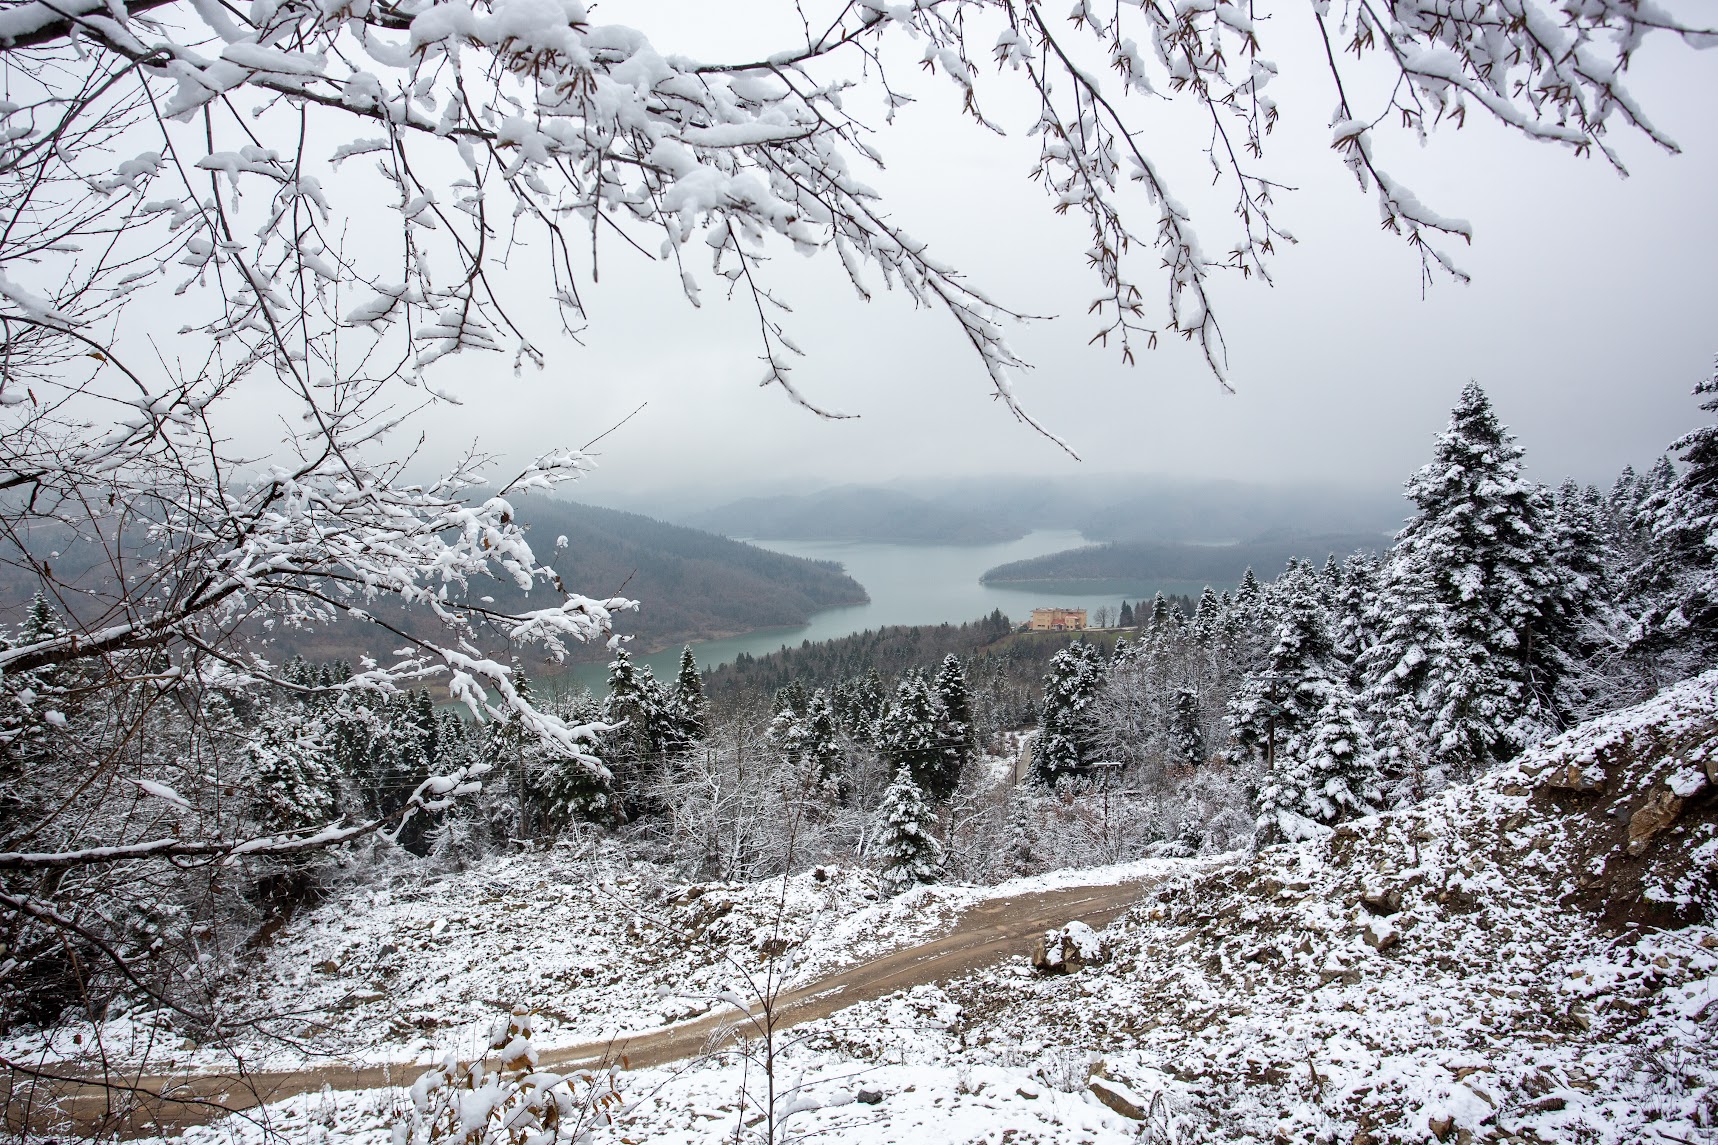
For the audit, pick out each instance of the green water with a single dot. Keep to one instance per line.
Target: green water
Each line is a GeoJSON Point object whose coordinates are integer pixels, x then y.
{"type": "Point", "coordinates": [908, 584]}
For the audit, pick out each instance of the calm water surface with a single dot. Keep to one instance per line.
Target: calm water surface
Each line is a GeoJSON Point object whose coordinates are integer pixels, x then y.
{"type": "Point", "coordinates": [908, 584]}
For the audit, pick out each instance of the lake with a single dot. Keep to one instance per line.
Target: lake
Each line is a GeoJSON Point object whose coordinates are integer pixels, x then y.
{"type": "Point", "coordinates": [908, 584]}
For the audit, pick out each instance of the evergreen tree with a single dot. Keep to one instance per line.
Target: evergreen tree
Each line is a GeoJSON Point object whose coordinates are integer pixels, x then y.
{"type": "Point", "coordinates": [1064, 722]}
{"type": "Point", "coordinates": [1680, 578]}
{"type": "Point", "coordinates": [1159, 612]}
{"type": "Point", "coordinates": [1417, 697]}
{"type": "Point", "coordinates": [959, 728]}
{"type": "Point", "coordinates": [1207, 617]}
{"type": "Point", "coordinates": [1351, 612]}
{"type": "Point", "coordinates": [865, 703]}
{"type": "Point", "coordinates": [824, 754]}
{"type": "Point", "coordinates": [1186, 729]}
{"type": "Point", "coordinates": [1330, 579]}
{"type": "Point", "coordinates": [1125, 618]}
{"type": "Point", "coordinates": [291, 784]}
{"type": "Point", "coordinates": [908, 737]}
{"type": "Point", "coordinates": [1249, 593]}
{"type": "Point", "coordinates": [1272, 714]}
{"type": "Point", "coordinates": [907, 847]}
{"type": "Point", "coordinates": [29, 729]}
{"type": "Point", "coordinates": [1483, 540]}
{"type": "Point", "coordinates": [1328, 778]}
{"type": "Point", "coordinates": [688, 707]}
{"type": "Point", "coordinates": [635, 751]}
{"type": "Point", "coordinates": [568, 790]}
{"type": "Point", "coordinates": [791, 698]}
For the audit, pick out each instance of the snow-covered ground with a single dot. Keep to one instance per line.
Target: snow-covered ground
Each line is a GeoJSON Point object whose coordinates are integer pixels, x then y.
{"type": "Point", "coordinates": [1527, 958]}
{"type": "Point", "coordinates": [595, 948]}
{"type": "Point", "coordinates": [1494, 964]}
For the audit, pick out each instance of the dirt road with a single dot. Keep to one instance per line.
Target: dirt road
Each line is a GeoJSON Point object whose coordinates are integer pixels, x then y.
{"type": "Point", "coordinates": [984, 934]}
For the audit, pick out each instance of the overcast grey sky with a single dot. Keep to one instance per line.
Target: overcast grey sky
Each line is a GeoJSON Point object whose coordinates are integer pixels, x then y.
{"type": "Point", "coordinates": [1589, 318]}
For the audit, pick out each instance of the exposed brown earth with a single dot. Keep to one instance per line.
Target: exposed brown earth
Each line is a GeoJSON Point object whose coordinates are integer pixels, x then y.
{"type": "Point", "coordinates": [984, 934]}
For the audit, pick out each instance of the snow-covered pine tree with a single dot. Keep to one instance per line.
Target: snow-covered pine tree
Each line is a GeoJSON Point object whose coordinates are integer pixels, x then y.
{"type": "Point", "coordinates": [1330, 579]}
{"type": "Point", "coordinates": [1482, 536]}
{"type": "Point", "coordinates": [1207, 617]}
{"type": "Point", "coordinates": [1408, 669]}
{"type": "Point", "coordinates": [1123, 652]}
{"type": "Point", "coordinates": [688, 707]}
{"type": "Point", "coordinates": [825, 756]}
{"type": "Point", "coordinates": [1187, 729]}
{"type": "Point", "coordinates": [567, 790]}
{"type": "Point", "coordinates": [787, 737]}
{"type": "Point", "coordinates": [1272, 715]}
{"type": "Point", "coordinates": [1351, 612]}
{"type": "Point", "coordinates": [908, 737]}
{"type": "Point", "coordinates": [959, 728]}
{"type": "Point", "coordinates": [1680, 580]}
{"type": "Point", "coordinates": [1329, 776]}
{"type": "Point", "coordinates": [791, 698]}
{"type": "Point", "coordinates": [1064, 722]}
{"type": "Point", "coordinates": [290, 781]}
{"type": "Point", "coordinates": [1160, 609]}
{"type": "Point", "coordinates": [868, 700]}
{"type": "Point", "coordinates": [38, 713]}
{"type": "Point", "coordinates": [635, 751]}
{"type": "Point", "coordinates": [1249, 593]}
{"type": "Point", "coordinates": [907, 848]}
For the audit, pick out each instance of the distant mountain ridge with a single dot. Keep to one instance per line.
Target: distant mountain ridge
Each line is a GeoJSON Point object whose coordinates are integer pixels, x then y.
{"type": "Point", "coordinates": [1003, 508]}
{"type": "Point", "coordinates": [1220, 566]}
{"type": "Point", "coordinates": [855, 513]}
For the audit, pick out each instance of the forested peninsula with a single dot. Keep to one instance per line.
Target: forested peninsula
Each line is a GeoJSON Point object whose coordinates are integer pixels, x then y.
{"type": "Point", "coordinates": [1221, 566]}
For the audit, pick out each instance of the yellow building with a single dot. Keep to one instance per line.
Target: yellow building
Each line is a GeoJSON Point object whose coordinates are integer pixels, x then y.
{"type": "Point", "coordinates": [1057, 620]}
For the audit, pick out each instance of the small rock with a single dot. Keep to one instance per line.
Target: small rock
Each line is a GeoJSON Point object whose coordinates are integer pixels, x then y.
{"type": "Point", "coordinates": [1442, 1127]}
{"type": "Point", "coordinates": [1658, 812]}
{"type": "Point", "coordinates": [1574, 777]}
{"type": "Point", "coordinates": [1119, 1098]}
{"type": "Point", "coordinates": [869, 1097]}
{"type": "Point", "coordinates": [1067, 950]}
{"type": "Point", "coordinates": [328, 966]}
{"type": "Point", "coordinates": [1546, 1105]}
{"type": "Point", "coordinates": [1381, 900]}
{"type": "Point", "coordinates": [1380, 934]}
{"type": "Point", "coordinates": [1028, 1094]}
{"type": "Point", "coordinates": [387, 949]}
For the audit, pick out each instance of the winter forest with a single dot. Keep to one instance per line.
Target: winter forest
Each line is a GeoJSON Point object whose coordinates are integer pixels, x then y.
{"type": "Point", "coordinates": [1420, 844]}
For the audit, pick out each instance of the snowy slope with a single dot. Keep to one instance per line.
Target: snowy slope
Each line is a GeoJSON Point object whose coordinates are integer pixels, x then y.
{"type": "Point", "coordinates": [596, 947]}
{"type": "Point", "coordinates": [1530, 957]}
{"type": "Point", "coordinates": [1492, 963]}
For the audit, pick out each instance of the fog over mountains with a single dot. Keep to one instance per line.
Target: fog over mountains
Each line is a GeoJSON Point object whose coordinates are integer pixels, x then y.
{"type": "Point", "coordinates": [987, 509]}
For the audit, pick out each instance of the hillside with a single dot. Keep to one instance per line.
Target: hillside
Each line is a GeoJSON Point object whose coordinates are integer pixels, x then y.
{"type": "Point", "coordinates": [852, 513]}
{"type": "Point", "coordinates": [1530, 957]}
{"type": "Point", "coordinates": [690, 585]}
{"type": "Point", "coordinates": [1220, 566]}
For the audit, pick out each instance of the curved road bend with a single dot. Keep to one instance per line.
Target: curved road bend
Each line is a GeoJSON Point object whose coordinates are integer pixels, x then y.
{"type": "Point", "coordinates": [983, 935]}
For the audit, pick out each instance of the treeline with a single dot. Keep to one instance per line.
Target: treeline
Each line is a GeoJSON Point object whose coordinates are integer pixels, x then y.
{"type": "Point", "coordinates": [1504, 612]}
{"type": "Point", "coordinates": [989, 645]}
